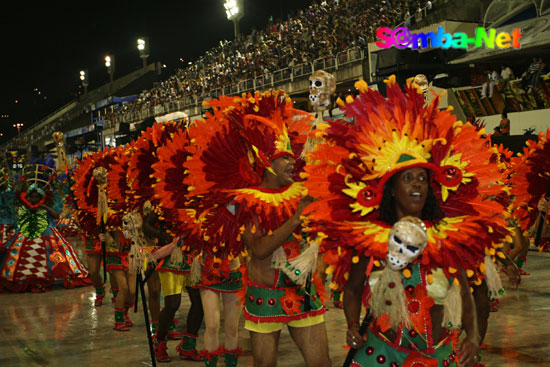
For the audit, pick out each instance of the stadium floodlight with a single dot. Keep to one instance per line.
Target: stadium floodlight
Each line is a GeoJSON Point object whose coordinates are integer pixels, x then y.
{"type": "Point", "coordinates": [234, 12]}
{"type": "Point", "coordinates": [141, 44]}
{"type": "Point", "coordinates": [110, 65]}
{"type": "Point", "coordinates": [18, 125]}
{"type": "Point", "coordinates": [84, 80]}
{"type": "Point", "coordinates": [143, 48]}
{"type": "Point", "coordinates": [84, 77]}
{"type": "Point", "coordinates": [231, 9]}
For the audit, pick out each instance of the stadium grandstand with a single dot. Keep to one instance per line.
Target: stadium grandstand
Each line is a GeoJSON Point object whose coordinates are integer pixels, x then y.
{"type": "Point", "coordinates": [335, 36]}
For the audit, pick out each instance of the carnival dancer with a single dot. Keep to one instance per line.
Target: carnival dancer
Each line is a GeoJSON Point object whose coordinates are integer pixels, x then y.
{"type": "Point", "coordinates": [38, 254]}
{"type": "Point", "coordinates": [84, 202]}
{"type": "Point", "coordinates": [242, 159]}
{"type": "Point", "coordinates": [184, 222]}
{"type": "Point", "coordinates": [172, 272]}
{"type": "Point", "coordinates": [140, 197]}
{"type": "Point", "coordinates": [112, 205]}
{"type": "Point", "coordinates": [531, 182]}
{"type": "Point", "coordinates": [91, 193]}
{"type": "Point", "coordinates": [401, 158]}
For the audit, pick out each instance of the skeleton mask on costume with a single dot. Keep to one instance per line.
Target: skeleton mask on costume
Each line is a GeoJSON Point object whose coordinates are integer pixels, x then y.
{"type": "Point", "coordinates": [321, 87]}
{"type": "Point", "coordinates": [131, 226]}
{"type": "Point", "coordinates": [100, 175]}
{"type": "Point", "coordinates": [58, 138]}
{"type": "Point", "coordinates": [406, 242]}
{"type": "Point", "coordinates": [422, 82]}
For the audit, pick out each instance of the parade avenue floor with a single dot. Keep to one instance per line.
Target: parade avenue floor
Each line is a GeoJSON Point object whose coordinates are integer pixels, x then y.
{"type": "Point", "coordinates": [63, 328]}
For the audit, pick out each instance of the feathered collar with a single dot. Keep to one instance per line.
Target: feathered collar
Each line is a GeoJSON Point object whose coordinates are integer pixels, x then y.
{"type": "Point", "coordinates": [272, 207]}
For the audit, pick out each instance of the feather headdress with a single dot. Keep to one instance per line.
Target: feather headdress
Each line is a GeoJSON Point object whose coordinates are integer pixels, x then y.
{"type": "Point", "coordinates": [389, 135]}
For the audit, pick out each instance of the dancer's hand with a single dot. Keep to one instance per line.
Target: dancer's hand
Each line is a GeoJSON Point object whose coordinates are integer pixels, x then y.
{"type": "Point", "coordinates": [353, 338]}
{"type": "Point", "coordinates": [304, 202]}
{"type": "Point", "coordinates": [544, 205]}
{"type": "Point", "coordinates": [469, 353]}
{"type": "Point", "coordinates": [514, 275]}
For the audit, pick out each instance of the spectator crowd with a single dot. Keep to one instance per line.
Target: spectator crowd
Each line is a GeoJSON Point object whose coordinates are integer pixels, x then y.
{"type": "Point", "coordinates": [323, 30]}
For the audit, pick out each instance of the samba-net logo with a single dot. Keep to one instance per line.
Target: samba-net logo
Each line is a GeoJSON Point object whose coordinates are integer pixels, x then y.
{"type": "Point", "coordinates": [403, 38]}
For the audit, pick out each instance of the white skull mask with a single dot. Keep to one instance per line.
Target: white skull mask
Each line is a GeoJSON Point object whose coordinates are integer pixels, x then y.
{"type": "Point", "coordinates": [131, 226]}
{"type": "Point", "coordinates": [321, 87]}
{"type": "Point", "coordinates": [406, 242]}
{"type": "Point", "coordinates": [100, 175]}
{"type": "Point", "coordinates": [423, 83]}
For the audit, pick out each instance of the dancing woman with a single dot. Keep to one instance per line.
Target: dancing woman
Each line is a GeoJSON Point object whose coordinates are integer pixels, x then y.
{"type": "Point", "coordinates": [397, 158]}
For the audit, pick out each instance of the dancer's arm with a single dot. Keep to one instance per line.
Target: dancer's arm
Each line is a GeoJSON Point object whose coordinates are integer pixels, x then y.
{"type": "Point", "coordinates": [353, 292]}
{"type": "Point", "coordinates": [166, 249]}
{"type": "Point", "coordinates": [470, 346]}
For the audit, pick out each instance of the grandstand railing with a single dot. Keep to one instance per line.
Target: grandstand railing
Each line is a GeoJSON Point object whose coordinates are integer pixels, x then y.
{"type": "Point", "coordinates": [271, 80]}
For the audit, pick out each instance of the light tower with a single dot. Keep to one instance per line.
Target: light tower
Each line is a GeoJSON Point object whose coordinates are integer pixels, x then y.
{"type": "Point", "coordinates": [234, 11]}
{"type": "Point", "coordinates": [18, 125]}
{"type": "Point", "coordinates": [84, 79]}
{"type": "Point", "coordinates": [143, 48]}
{"type": "Point", "coordinates": [110, 65]}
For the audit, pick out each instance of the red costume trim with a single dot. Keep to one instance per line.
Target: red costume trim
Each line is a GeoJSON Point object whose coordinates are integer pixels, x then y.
{"type": "Point", "coordinates": [283, 319]}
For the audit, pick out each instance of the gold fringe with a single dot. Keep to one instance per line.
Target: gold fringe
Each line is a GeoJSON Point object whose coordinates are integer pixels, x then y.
{"type": "Point", "coordinates": [391, 301]}
{"type": "Point", "coordinates": [279, 259]}
{"type": "Point", "coordinates": [136, 258]}
{"type": "Point", "coordinates": [452, 308]}
{"type": "Point", "coordinates": [303, 265]}
{"type": "Point", "coordinates": [494, 284]}
{"type": "Point", "coordinates": [176, 257]}
{"type": "Point", "coordinates": [196, 270]}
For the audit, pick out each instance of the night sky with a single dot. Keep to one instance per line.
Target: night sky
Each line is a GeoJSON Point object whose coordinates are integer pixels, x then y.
{"type": "Point", "coordinates": [45, 45]}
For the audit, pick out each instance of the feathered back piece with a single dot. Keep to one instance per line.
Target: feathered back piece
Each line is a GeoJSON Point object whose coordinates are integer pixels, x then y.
{"type": "Point", "coordinates": [389, 135]}
{"type": "Point", "coordinates": [170, 189]}
{"type": "Point", "coordinates": [85, 187]}
{"type": "Point", "coordinates": [142, 159]}
{"type": "Point", "coordinates": [117, 185]}
{"type": "Point", "coordinates": [228, 154]}
{"type": "Point", "coordinates": [531, 179]}
{"type": "Point", "coordinates": [239, 140]}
